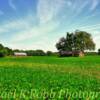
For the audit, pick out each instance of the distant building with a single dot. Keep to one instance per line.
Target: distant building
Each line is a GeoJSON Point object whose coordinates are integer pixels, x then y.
{"type": "Point", "coordinates": [20, 54]}
{"type": "Point", "coordinates": [78, 53]}
{"type": "Point", "coordinates": [72, 53]}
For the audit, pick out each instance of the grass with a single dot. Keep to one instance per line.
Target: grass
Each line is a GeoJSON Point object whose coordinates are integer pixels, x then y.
{"type": "Point", "coordinates": [50, 77]}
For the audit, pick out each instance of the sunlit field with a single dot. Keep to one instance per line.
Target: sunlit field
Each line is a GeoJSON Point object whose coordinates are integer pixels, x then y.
{"type": "Point", "coordinates": [44, 78]}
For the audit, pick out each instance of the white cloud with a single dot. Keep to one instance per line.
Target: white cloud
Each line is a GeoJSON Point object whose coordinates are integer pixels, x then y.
{"type": "Point", "coordinates": [22, 30]}
{"type": "Point", "coordinates": [33, 32]}
{"type": "Point", "coordinates": [48, 9]}
{"type": "Point", "coordinates": [12, 5]}
{"type": "Point", "coordinates": [94, 4]}
{"type": "Point", "coordinates": [44, 43]}
{"type": "Point", "coordinates": [12, 25]}
{"type": "Point", "coordinates": [91, 27]}
{"type": "Point", "coordinates": [46, 22]}
{"type": "Point", "coordinates": [79, 7]}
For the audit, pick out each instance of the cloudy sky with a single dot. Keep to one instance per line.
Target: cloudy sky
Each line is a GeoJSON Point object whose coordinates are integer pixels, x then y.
{"type": "Point", "coordinates": [38, 24]}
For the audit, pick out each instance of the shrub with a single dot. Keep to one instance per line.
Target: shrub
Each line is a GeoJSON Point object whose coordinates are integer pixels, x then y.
{"type": "Point", "coordinates": [1, 54]}
{"type": "Point", "coordinates": [40, 53]}
{"type": "Point", "coordinates": [49, 53]}
{"type": "Point", "coordinates": [90, 53]}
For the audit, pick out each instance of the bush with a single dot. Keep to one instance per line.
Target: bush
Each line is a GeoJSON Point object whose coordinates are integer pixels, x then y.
{"type": "Point", "coordinates": [49, 53]}
{"type": "Point", "coordinates": [40, 53]}
{"type": "Point", "coordinates": [1, 54]}
{"type": "Point", "coordinates": [91, 53]}
{"type": "Point", "coordinates": [35, 53]}
{"type": "Point", "coordinates": [98, 51]}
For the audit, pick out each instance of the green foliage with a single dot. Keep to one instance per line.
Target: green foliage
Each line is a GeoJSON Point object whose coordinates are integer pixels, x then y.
{"type": "Point", "coordinates": [80, 40]}
{"type": "Point", "coordinates": [61, 45]}
{"type": "Point", "coordinates": [84, 41]}
{"type": "Point", "coordinates": [1, 54]}
{"type": "Point", "coordinates": [35, 53]}
{"type": "Point", "coordinates": [5, 51]}
{"type": "Point", "coordinates": [49, 53]}
{"type": "Point", "coordinates": [98, 51]}
{"type": "Point", "coordinates": [1, 47]}
{"type": "Point", "coordinates": [40, 53]}
{"type": "Point", "coordinates": [91, 53]}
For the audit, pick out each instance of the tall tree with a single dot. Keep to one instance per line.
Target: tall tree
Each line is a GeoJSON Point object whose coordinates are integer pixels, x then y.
{"type": "Point", "coordinates": [83, 41]}
{"type": "Point", "coordinates": [79, 40]}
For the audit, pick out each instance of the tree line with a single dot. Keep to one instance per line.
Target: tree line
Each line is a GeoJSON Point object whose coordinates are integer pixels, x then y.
{"type": "Point", "coordinates": [36, 52]}
{"type": "Point", "coordinates": [5, 51]}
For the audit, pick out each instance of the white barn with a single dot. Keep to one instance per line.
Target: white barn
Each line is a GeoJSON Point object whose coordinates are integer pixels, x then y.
{"type": "Point", "coordinates": [20, 54]}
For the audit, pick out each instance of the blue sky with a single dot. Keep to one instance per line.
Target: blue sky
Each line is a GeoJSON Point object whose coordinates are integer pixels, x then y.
{"type": "Point", "coordinates": [38, 24]}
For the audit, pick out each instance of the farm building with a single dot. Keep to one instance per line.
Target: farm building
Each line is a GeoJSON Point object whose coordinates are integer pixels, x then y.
{"type": "Point", "coordinates": [78, 53]}
{"type": "Point", "coordinates": [20, 54]}
{"type": "Point", "coordinates": [72, 53]}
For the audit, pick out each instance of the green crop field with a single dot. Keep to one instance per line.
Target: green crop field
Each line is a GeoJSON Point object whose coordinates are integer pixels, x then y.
{"type": "Point", "coordinates": [50, 78]}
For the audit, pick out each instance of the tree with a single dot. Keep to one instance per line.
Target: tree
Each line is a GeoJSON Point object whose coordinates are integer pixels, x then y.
{"type": "Point", "coordinates": [1, 47]}
{"type": "Point", "coordinates": [83, 41]}
{"type": "Point", "coordinates": [61, 45]}
{"type": "Point", "coordinates": [69, 41]}
{"type": "Point", "coordinates": [1, 50]}
{"type": "Point", "coordinates": [77, 41]}
{"type": "Point", "coordinates": [40, 53]}
{"type": "Point", "coordinates": [8, 51]}
{"type": "Point", "coordinates": [98, 51]}
{"type": "Point", "coordinates": [5, 51]}
{"type": "Point", "coordinates": [1, 54]}
{"type": "Point", "coordinates": [49, 53]}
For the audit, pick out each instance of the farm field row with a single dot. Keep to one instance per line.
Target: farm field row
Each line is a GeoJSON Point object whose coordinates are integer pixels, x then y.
{"type": "Point", "coordinates": [49, 77]}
